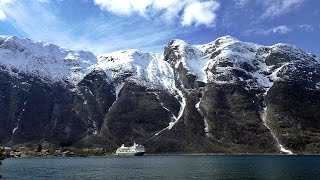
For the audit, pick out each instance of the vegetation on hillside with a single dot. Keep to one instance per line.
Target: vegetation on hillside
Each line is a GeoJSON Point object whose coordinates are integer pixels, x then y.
{"type": "Point", "coordinates": [2, 157]}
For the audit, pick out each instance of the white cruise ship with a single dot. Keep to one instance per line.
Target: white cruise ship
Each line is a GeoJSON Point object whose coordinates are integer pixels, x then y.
{"type": "Point", "coordinates": [135, 150]}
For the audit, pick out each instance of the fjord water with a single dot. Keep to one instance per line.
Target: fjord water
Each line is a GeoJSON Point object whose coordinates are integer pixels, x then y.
{"type": "Point", "coordinates": [165, 167]}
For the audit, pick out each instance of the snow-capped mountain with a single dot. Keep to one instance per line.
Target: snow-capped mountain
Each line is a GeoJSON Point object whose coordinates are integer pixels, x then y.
{"type": "Point", "coordinates": [224, 96]}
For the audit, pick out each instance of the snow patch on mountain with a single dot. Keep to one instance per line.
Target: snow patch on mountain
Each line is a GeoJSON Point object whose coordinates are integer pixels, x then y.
{"type": "Point", "coordinates": [19, 117]}
{"type": "Point", "coordinates": [160, 73]}
{"type": "Point", "coordinates": [183, 103]}
{"type": "Point", "coordinates": [265, 123]}
{"type": "Point", "coordinates": [173, 117]}
{"type": "Point", "coordinates": [205, 121]}
{"type": "Point", "coordinates": [117, 89]}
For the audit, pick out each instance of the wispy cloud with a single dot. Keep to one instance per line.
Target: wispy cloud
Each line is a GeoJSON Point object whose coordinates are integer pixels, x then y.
{"type": "Point", "coordinates": [241, 3]}
{"type": "Point", "coordinates": [271, 8]}
{"type": "Point", "coordinates": [98, 34]}
{"type": "Point", "coordinates": [22, 17]}
{"type": "Point", "coordinates": [283, 29]}
{"type": "Point", "coordinates": [307, 28]}
{"type": "Point", "coordinates": [275, 8]}
{"type": "Point", "coordinates": [48, 1]}
{"type": "Point", "coordinates": [2, 15]}
{"type": "Point", "coordinates": [6, 1]}
{"type": "Point", "coordinates": [190, 12]}
{"type": "Point", "coordinates": [119, 34]}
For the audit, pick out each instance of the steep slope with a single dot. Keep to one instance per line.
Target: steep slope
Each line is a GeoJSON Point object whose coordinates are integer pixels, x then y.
{"type": "Point", "coordinates": [224, 96]}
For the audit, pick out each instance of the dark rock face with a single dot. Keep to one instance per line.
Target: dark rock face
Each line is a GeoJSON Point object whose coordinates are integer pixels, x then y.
{"type": "Point", "coordinates": [233, 118]}
{"type": "Point", "coordinates": [34, 111]}
{"type": "Point", "coordinates": [136, 115]}
{"type": "Point", "coordinates": [294, 111]}
{"type": "Point", "coordinates": [293, 103]}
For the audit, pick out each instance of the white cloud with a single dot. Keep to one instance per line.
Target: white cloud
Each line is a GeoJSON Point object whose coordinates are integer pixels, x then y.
{"type": "Point", "coordinates": [124, 7]}
{"type": "Point", "coordinates": [306, 28]}
{"type": "Point", "coordinates": [170, 9]}
{"type": "Point", "coordinates": [2, 15]}
{"type": "Point", "coordinates": [283, 29]}
{"type": "Point", "coordinates": [275, 8]}
{"type": "Point", "coordinates": [198, 12]}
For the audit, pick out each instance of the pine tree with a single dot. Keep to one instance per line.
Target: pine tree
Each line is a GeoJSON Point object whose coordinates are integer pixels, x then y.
{"type": "Point", "coordinates": [2, 155]}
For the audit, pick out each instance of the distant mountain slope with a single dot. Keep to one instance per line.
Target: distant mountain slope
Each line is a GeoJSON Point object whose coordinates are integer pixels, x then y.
{"type": "Point", "coordinates": [224, 96]}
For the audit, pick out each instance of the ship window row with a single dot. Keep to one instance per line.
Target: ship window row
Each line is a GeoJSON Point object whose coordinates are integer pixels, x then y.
{"type": "Point", "coordinates": [124, 150]}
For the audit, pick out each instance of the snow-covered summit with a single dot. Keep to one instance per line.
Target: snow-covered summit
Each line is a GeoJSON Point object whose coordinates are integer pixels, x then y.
{"type": "Point", "coordinates": [45, 60]}
{"type": "Point", "coordinates": [148, 69]}
{"type": "Point", "coordinates": [228, 60]}
{"type": "Point", "coordinates": [124, 64]}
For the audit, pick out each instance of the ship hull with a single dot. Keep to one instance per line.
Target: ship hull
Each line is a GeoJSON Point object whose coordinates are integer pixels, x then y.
{"type": "Point", "coordinates": [130, 154]}
{"type": "Point", "coordinates": [139, 154]}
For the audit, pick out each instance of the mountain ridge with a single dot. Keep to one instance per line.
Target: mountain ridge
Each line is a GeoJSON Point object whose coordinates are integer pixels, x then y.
{"type": "Point", "coordinates": [217, 97]}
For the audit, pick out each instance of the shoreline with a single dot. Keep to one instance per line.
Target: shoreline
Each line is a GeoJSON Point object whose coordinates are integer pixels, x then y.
{"type": "Point", "coordinates": [163, 154]}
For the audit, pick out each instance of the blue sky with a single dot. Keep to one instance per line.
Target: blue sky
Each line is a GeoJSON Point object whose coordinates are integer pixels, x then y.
{"type": "Point", "coordinates": [103, 26]}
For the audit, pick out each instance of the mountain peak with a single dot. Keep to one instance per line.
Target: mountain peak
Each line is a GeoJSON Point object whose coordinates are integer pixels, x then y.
{"type": "Point", "coordinates": [227, 38]}
{"type": "Point", "coordinates": [176, 42]}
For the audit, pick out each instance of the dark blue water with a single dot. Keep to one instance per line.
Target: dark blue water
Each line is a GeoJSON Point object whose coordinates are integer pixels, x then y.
{"type": "Point", "coordinates": [165, 167]}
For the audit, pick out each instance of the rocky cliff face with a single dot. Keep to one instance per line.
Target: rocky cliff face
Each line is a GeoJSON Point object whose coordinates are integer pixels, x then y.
{"type": "Point", "coordinates": [224, 96]}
